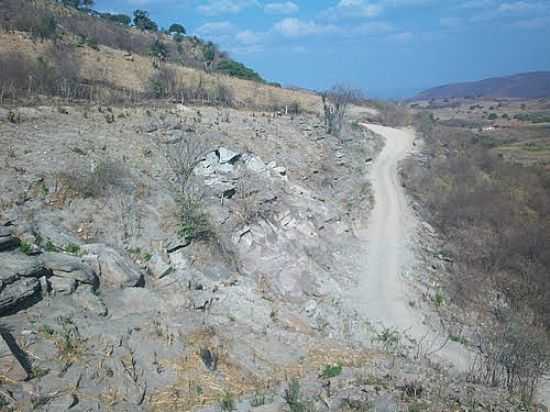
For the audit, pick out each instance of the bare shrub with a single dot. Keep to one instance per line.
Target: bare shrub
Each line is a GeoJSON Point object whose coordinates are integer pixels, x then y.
{"type": "Point", "coordinates": [513, 353]}
{"type": "Point", "coordinates": [247, 204]}
{"type": "Point", "coordinates": [393, 114]}
{"type": "Point", "coordinates": [184, 155]}
{"type": "Point", "coordinates": [493, 216]}
{"type": "Point", "coordinates": [335, 104]}
{"type": "Point", "coordinates": [100, 178]}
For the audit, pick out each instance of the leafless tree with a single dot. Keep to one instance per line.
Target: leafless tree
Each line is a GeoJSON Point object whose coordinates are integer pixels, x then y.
{"type": "Point", "coordinates": [335, 104]}
{"type": "Point", "coordinates": [184, 155]}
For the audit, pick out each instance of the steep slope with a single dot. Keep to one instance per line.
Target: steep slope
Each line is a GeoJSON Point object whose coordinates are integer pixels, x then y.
{"type": "Point", "coordinates": [523, 85]}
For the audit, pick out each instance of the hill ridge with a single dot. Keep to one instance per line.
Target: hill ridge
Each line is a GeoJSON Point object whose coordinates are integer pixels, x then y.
{"type": "Point", "coordinates": [534, 84]}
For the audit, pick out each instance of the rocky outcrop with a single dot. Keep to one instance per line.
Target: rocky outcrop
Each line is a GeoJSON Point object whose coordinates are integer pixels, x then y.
{"type": "Point", "coordinates": [19, 280]}
{"type": "Point", "coordinates": [7, 241]}
{"type": "Point", "coordinates": [115, 270]}
{"type": "Point", "coordinates": [70, 268]}
{"type": "Point", "coordinates": [86, 297]}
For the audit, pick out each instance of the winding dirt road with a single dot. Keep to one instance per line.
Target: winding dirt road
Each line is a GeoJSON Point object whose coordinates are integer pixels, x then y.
{"type": "Point", "coordinates": [383, 295]}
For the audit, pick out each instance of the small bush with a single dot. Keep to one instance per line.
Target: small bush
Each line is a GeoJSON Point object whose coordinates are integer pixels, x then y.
{"type": "Point", "coordinates": [259, 399]}
{"type": "Point", "coordinates": [47, 28]}
{"type": "Point", "coordinates": [389, 338]}
{"type": "Point", "coordinates": [25, 247]}
{"type": "Point", "coordinates": [492, 116]}
{"type": "Point", "coordinates": [331, 371]}
{"type": "Point", "coordinates": [293, 397]}
{"type": "Point", "coordinates": [72, 249]}
{"type": "Point", "coordinates": [227, 403]}
{"type": "Point", "coordinates": [101, 179]}
{"type": "Point", "coordinates": [194, 221]}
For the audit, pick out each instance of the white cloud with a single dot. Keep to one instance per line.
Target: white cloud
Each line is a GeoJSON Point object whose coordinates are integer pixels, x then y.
{"type": "Point", "coordinates": [249, 37]}
{"type": "Point", "coordinates": [218, 28]}
{"type": "Point", "coordinates": [348, 9]}
{"type": "Point", "coordinates": [218, 7]}
{"type": "Point", "coordinates": [518, 6]}
{"type": "Point", "coordinates": [292, 27]}
{"type": "Point", "coordinates": [533, 24]}
{"type": "Point", "coordinates": [375, 27]}
{"type": "Point", "coordinates": [402, 37]}
{"type": "Point", "coordinates": [451, 22]}
{"type": "Point", "coordinates": [288, 7]}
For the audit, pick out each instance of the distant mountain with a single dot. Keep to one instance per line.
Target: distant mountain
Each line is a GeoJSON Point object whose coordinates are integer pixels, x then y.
{"type": "Point", "coordinates": [524, 85]}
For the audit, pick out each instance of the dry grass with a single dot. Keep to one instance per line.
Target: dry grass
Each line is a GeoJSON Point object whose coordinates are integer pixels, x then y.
{"type": "Point", "coordinates": [110, 66]}
{"type": "Point", "coordinates": [197, 386]}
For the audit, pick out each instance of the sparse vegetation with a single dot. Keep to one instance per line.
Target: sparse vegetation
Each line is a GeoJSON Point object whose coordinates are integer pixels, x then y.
{"type": "Point", "coordinates": [72, 249]}
{"type": "Point", "coordinates": [499, 257]}
{"type": "Point", "coordinates": [293, 397]}
{"type": "Point", "coordinates": [389, 338]}
{"type": "Point", "coordinates": [99, 179]}
{"type": "Point", "coordinates": [194, 222]}
{"type": "Point", "coordinates": [227, 403]}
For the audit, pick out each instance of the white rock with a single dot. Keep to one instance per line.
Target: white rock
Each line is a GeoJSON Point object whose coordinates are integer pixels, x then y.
{"type": "Point", "coordinates": [227, 156]}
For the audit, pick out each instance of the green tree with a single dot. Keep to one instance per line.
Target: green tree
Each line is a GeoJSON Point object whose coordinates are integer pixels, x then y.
{"type": "Point", "coordinates": [143, 22]}
{"type": "Point", "coordinates": [177, 28]}
{"type": "Point", "coordinates": [117, 18]}
{"type": "Point", "coordinates": [236, 69]}
{"type": "Point", "coordinates": [159, 49]}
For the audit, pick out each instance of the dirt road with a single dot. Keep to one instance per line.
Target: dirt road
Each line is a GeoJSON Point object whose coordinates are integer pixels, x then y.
{"type": "Point", "coordinates": [383, 295]}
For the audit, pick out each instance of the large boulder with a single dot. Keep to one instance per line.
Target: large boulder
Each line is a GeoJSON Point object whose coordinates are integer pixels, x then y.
{"type": "Point", "coordinates": [70, 267]}
{"type": "Point", "coordinates": [116, 270]}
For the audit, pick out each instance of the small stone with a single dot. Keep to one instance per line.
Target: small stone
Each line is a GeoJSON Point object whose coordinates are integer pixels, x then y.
{"type": "Point", "coordinates": [63, 286]}
{"type": "Point", "coordinates": [158, 267]}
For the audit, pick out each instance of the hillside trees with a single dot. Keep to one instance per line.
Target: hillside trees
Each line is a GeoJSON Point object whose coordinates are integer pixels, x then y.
{"type": "Point", "coordinates": [121, 19]}
{"type": "Point", "coordinates": [143, 22]}
{"type": "Point", "coordinates": [177, 29]}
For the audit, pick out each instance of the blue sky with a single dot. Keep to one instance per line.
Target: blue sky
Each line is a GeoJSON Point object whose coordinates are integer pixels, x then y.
{"type": "Point", "coordinates": [389, 48]}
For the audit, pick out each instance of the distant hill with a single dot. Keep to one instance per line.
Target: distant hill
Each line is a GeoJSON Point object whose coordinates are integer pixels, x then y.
{"type": "Point", "coordinates": [524, 85]}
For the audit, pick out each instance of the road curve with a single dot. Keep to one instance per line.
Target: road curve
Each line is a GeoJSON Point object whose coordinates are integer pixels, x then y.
{"type": "Point", "coordinates": [383, 295]}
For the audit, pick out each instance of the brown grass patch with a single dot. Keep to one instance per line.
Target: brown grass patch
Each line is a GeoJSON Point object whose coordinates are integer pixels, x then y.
{"type": "Point", "coordinates": [197, 386]}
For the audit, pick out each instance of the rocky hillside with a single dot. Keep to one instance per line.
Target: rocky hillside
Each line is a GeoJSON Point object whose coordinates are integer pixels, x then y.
{"type": "Point", "coordinates": [522, 86]}
{"type": "Point", "coordinates": [110, 301]}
